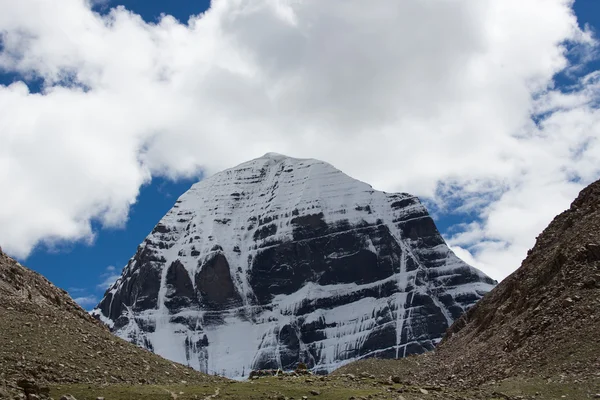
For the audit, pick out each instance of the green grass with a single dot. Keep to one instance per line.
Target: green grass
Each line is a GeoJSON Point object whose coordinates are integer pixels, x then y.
{"type": "Point", "coordinates": [546, 390]}
{"type": "Point", "coordinates": [336, 388]}
{"type": "Point", "coordinates": [258, 389]}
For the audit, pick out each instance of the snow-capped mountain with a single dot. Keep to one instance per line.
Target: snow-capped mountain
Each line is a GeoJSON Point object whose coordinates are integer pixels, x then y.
{"type": "Point", "coordinates": [281, 260]}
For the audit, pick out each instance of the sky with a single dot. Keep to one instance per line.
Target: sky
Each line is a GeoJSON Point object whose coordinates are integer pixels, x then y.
{"type": "Point", "coordinates": [486, 109]}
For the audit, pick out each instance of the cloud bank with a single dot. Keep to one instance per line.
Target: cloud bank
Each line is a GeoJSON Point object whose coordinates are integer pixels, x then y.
{"type": "Point", "coordinates": [454, 101]}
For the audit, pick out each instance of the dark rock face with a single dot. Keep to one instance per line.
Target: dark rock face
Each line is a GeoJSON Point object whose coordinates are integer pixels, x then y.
{"type": "Point", "coordinates": [215, 287]}
{"type": "Point", "coordinates": [280, 261]}
{"type": "Point", "coordinates": [180, 290]}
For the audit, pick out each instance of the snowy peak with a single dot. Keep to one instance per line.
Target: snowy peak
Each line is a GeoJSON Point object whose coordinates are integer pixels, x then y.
{"type": "Point", "coordinates": [276, 156]}
{"type": "Point", "coordinates": [281, 260]}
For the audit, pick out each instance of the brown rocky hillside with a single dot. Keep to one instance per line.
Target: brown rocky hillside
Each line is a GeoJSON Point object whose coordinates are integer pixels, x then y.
{"type": "Point", "coordinates": [46, 336]}
{"type": "Point", "coordinates": [543, 321]}
{"type": "Point", "coordinates": [545, 317]}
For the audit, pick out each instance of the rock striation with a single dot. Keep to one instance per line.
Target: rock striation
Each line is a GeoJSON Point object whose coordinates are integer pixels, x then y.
{"type": "Point", "coordinates": [281, 260]}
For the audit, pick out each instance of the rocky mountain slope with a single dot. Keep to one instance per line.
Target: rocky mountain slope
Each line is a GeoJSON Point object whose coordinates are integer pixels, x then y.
{"type": "Point", "coordinates": [544, 317]}
{"type": "Point", "coordinates": [282, 260]}
{"type": "Point", "coordinates": [540, 322]}
{"type": "Point", "coordinates": [46, 336]}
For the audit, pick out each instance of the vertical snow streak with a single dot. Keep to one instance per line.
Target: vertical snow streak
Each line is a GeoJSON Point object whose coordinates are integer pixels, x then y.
{"type": "Point", "coordinates": [443, 309]}
{"type": "Point", "coordinates": [277, 349]}
{"type": "Point", "coordinates": [410, 310]}
{"type": "Point", "coordinates": [401, 282]}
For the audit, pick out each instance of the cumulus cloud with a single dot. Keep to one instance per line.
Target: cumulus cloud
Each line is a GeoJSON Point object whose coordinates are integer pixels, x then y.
{"type": "Point", "coordinates": [454, 101]}
{"type": "Point", "coordinates": [86, 301]}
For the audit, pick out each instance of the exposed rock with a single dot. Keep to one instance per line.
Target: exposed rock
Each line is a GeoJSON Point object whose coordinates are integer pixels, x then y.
{"type": "Point", "coordinates": [28, 385]}
{"type": "Point", "coordinates": [279, 261]}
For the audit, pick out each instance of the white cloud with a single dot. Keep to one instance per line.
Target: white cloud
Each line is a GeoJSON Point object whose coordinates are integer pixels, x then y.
{"type": "Point", "coordinates": [86, 301]}
{"type": "Point", "coordinates": [404, 95]}
{"type": "Point", "coordinates": [108, 278]}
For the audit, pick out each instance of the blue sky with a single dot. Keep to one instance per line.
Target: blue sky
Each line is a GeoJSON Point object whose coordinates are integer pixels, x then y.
{"type": "Point", "coordinates": [152, 10]}
{"type": "Point", "coordinates": [484, 187]}
{"type": "Point", "coordinates": [79, 267]}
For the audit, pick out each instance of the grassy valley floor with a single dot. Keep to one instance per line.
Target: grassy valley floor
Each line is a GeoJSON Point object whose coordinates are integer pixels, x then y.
{"type": "Point", "coordinates": [343, 387]}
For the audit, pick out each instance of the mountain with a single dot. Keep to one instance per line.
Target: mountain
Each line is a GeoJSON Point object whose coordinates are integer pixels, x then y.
{"type": "Point", "coordinates": [282, 260]}
{"type": "Point", "coordinates": [544, 317]}
{"type": "Point", "coordinates": [46, 336]}
{"type": "Point", "coordinates": [541, 322]}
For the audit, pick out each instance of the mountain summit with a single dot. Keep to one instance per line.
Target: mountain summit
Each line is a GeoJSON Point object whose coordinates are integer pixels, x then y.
{"type": "Point", "coordinates": [282, 260]}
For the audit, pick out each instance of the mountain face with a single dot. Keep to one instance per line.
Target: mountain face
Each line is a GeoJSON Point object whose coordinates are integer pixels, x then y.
{"type": "Point", "coordinates": [282, 260]}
